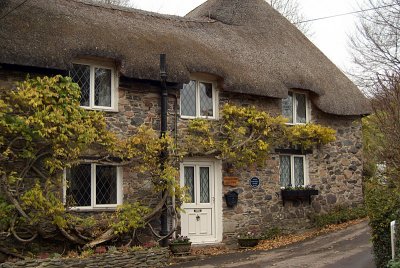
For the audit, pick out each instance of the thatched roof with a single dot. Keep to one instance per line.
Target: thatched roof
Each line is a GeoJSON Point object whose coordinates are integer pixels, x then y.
{"type": "Point", "coordinates": [247, 43]}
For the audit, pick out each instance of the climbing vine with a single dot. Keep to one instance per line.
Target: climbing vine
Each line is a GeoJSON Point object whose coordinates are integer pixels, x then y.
{"type": "Point", "coordinates": [246, 135]}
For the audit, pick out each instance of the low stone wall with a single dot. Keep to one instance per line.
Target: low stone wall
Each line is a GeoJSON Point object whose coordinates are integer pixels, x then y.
{"type": "Point", "coordinates": [143, 258]}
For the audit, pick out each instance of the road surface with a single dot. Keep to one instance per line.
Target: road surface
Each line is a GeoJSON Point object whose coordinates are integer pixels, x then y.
{"type": "Point", "coordinates": [348, 248]}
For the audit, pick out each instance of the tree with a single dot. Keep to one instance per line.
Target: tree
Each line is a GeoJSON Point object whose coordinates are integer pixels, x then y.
{"type": "Point", "coordinates": [291, 9]}
{"type": "Point", "coordinates": [381, 143]}
{"type": "Point", "coordinates": [43, 130]}
{"type": "Point", "coordinates": [375, 45]}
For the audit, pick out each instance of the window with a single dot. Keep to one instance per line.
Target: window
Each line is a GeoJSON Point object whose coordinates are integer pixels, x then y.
{"type": "Point", "coordinates": [292, 170]}
{"type": "Point", "coordinates": [98, 90]}
{"type": "Point", "coordinates": [198, 99]}
{"type": "Point", "coordinates": [93, 186]}
{"type": "Point", "coordinates": [294, 107]}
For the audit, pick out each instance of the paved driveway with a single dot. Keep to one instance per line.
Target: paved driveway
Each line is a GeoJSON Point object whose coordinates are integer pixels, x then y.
{"type": "Point", "coordinates": [349, 248]}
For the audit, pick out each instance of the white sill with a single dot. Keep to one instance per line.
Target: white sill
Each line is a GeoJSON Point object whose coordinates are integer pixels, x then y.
{"type": "Point", "coordinates": [184, 117]}
{"type": "Point", "coordinates": [294, 124]}
{"type": "Point", "coordinates": [92, 209]}
{"type": "Point", "coordinates": [101, 109]}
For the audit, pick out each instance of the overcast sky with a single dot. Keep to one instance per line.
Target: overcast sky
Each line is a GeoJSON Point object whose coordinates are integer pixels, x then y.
{"type": "Point", "coordinates": [329, 35]}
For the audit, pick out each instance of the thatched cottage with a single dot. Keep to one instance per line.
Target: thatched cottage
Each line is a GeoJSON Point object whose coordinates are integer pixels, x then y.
{"type": "Point", "coordinates": [242, 52]}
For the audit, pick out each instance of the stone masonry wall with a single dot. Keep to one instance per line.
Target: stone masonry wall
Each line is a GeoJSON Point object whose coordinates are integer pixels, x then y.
{"type": "Point", "coordinates": [335, 168]}
{"type": "Point", "coordinates": [153, 258]}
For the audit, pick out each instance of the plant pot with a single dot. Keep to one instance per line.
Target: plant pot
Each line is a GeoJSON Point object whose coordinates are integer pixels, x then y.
{"type": "Point", "coordinates": [300, 195]}
{"type": "Point", "coordinates": [180, 248]}
{"type": "Point", "coordinates": [248, 242]}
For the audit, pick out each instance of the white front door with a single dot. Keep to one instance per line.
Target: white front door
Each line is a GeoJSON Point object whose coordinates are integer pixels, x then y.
{"type": "Point", "coordinates": [198, 219]}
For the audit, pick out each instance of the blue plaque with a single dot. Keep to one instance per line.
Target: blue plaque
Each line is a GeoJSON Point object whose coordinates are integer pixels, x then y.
{"type": "Point", "coordinates": [255, 182]}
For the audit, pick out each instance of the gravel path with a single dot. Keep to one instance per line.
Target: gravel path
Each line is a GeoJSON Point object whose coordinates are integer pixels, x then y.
{"type": "Point", "coordinates": [348, 248]}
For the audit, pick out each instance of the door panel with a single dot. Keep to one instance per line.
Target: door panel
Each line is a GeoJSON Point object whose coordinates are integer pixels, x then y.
{"type": "Point", "coordinates": [198, 217]}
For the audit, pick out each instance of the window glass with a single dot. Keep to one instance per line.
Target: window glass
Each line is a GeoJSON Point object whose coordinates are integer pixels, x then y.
{"type": "Point", "coordinates": [188, 99]}
{"type": "Point", "coordinates": [79, 192]}
{"type": "Point", "coordinates": [80, 74]}
{"type": "Point", "coordinates": [206, 99]}
{"type": "Point", "coordinates": [287, 107]}
{"type": "Point", "coordinates": [300, 108]}
{"type": "Point", "coordinates": [298, 171]}
{"type": "Point", "coordinates": [102, 87]}
{"type": "Point", "coordinates": [106, 185]}
{"type": "Point", "coordinates": [285, 170]}
{"type": "Point", "coordinates": [189, 182]}
{"type": "Point", "coordinates": [87, 179]}
{"type": "Point", "coordinates": [204, 185]}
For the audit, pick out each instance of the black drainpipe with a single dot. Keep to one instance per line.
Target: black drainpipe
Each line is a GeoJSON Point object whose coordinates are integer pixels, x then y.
{"type": "Point", "coordinates": [164, 152]}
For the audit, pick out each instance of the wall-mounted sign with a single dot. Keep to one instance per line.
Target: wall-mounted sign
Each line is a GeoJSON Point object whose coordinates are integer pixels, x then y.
{"type": "Point", "coordinates": [231, 181]}
{"type": "Point", "coordinates": [254, 182]}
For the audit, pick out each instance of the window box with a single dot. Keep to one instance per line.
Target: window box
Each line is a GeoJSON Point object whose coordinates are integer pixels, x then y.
{"type": "Point", "coordinates": [297, 194]}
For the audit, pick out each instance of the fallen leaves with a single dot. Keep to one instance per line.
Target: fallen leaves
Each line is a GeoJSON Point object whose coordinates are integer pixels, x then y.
{"type": "Point", "coordinates": [277, 242]}
{"type": "Point", "coordinates": [285, 240]}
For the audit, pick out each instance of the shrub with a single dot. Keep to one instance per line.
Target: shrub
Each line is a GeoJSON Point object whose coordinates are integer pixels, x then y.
{"type": "Point", "coordinates": [394, 264]}
{"type": "Point", "coordinates": [271, 233]}
{"type": "Point", "coordinates": [382, 203]}
{"type": "Point", "coordinates": [338, 215]}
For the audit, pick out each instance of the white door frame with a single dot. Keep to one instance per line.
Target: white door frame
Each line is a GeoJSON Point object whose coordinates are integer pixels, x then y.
{"type": "Point", "coordinates": [217, 198]}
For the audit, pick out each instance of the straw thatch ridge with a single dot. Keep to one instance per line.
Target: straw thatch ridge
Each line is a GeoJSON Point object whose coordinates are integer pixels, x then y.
{"type": "Point", "coordinates": [247, 43]}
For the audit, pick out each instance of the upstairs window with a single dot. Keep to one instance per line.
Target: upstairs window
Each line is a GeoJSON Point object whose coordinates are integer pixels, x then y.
{"type": "Point", "coordinates": [97, 85]}
{"type": "Point", "coordinates": [292, 170]}
{"type": "Point", "coordinates": [198, 100]}
{"type": "Point", "coordinates": [93, 186]}
{"type": "Point", "coordinates": [294, 107]}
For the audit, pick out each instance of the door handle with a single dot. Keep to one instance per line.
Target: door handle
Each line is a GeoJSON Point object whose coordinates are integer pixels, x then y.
{"type": "Point", "coordinates": [198, 218]}
{"type": "Point", "coordinates": [197, 210]}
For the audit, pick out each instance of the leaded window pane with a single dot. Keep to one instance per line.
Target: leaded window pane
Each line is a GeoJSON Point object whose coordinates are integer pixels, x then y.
{"type": "Point", "coordinates": [188, 99]}
{"type": "Point", "coordinates": [298, 171]}
{"type": "Point", "coordinates": [204, 185]}
{"type": "Point", "coordinates": [287, 107]}
{"type": "Point", "coordinates": [285, 170]}
{"type": "Point", "coordinates": [79, 192]}
{"type": "Point", "coordinates": [206, 99]}
{"type": "Point", "coordinates": [189, 182]}
{"type": "Point", "coordinates": [300, 108]}
{"type": "Point", "coordinates": [102, 87]}
{"type": "Point", "coordinates": [80, 74]}
{"type": "Point", "coordinates": [106, 185]}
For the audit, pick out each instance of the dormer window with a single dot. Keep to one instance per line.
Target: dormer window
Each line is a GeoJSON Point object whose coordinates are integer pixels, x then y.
{"type": "Point", "coordinates": [294, 107]}
{"type": "Point", "coordinates": [97, 83]}
{"type": "Point", "coordinates": [198, 100]}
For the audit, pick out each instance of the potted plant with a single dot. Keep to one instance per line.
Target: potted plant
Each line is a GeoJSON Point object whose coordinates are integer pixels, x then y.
{"type": "Point", "coordinates": [298, 192]}
{"type": "Point", "coordinates": [180, 245]}
{"type": "Point", "coordinates": [248, 240]}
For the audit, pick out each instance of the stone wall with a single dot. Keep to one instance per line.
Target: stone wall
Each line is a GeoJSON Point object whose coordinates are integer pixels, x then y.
{"type": "Point", "coordinates": [335, 169]}
{"type": "Point", "coordinates": [145, 258]}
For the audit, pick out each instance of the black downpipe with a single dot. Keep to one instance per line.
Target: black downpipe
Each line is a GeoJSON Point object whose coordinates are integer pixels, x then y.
{"type": "Point", "coordinates": [164, 152]}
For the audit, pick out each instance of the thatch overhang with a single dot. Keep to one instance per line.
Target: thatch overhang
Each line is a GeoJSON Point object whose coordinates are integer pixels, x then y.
{"type": "Point", "coordinates": [247, 43]}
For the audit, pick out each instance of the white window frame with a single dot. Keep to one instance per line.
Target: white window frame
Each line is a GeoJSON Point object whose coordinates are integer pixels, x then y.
{"type": "Point", "coordinates": [198, 112]}
{"type": "Point", "coordinates": [305, 168]}
{"type": "Point", "coordinates": [93, 205]}
{"type": "Point", "coordinates": [294, 107]}
{"type": "Point", "coordinates": [114, 84]}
